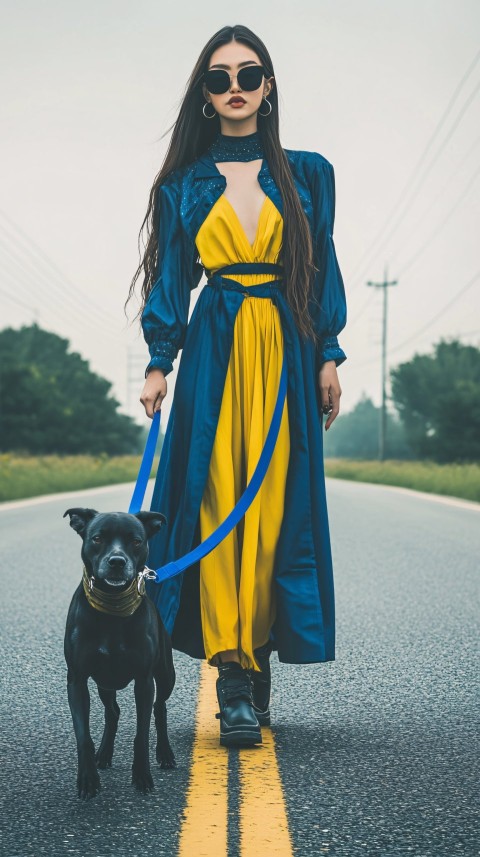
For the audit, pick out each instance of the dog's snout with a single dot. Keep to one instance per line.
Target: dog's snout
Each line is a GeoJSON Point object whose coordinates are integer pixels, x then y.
{"type": "Point", "coordinates": [117, 562]}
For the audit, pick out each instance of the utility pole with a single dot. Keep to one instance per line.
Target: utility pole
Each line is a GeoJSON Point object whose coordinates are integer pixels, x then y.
{"type": "Point", "coordinates": [383, 410]}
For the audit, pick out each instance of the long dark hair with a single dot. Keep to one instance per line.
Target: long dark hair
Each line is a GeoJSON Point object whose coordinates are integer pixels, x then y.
{"type": "Point", "coordinates": [191, 137]}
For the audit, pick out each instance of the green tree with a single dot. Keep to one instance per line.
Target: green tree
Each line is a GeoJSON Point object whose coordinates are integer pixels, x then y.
{"type": "Point", "coordinates": [51, 402]}
{"type": "Point", "coordinates": [438, 398]}
{"type": "Point", "coordinates": [355, 434]}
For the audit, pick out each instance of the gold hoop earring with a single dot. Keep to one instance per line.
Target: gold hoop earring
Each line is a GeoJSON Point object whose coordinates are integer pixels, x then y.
{"type": "Point", "coordinates": [203, 110]}
{"type": "Point", "coordinates": [270, 106]}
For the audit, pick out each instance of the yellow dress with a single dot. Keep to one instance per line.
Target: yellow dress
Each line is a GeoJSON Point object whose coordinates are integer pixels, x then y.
{"type": "Point", "coordinates": [236, 578]}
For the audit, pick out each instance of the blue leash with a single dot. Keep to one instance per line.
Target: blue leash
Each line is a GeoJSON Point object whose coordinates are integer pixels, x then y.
{"type": "Point", "coordinates": [176, 567]}
{"type": "Point", "coordinates": [201, 550]}
{"type": "Point", "coordinates": [146, 464]}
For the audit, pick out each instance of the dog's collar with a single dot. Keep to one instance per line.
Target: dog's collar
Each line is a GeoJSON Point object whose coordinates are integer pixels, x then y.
{"type": "Point", "coordinates": [115, 604]}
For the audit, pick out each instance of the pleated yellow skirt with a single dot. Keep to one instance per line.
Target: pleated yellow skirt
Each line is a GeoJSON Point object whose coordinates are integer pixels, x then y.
{"type": "Point", "coordinates": [236, 579]}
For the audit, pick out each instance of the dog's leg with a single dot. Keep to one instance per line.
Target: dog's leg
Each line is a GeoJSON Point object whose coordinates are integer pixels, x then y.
{"type": "Point", "coordinates": [104, 753]}
{"type": "Point", "coordinates": [88, 781]}
{"type": "Point", "coordinates": [165, 755]}
{"type": "Point", "coordinates": [141, 776]}
{"type": "Point", "coordinates": [164, 673]}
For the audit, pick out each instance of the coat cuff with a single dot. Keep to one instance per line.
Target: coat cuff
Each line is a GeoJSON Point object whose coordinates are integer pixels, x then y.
{"type": "Point", "coordinates": [329, 349]}
{"type": "Point", "coordinates": [162, 355]}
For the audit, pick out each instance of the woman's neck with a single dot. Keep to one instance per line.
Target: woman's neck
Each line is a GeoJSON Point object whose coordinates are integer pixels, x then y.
{"type": "Point", "coordinates": [229, 147]}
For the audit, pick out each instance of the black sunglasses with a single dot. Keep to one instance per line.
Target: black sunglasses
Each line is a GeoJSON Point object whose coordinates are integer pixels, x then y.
{"type": "Point", "coordinates": [217, 80]}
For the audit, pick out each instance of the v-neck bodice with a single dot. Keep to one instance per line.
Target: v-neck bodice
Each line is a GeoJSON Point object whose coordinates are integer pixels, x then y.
{"type": "Point", "coordinates": [240, 225]}
{"type": "Point", "coordinates": [221, 239]}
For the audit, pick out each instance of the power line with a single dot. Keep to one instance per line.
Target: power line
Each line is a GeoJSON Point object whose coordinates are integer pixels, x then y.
{"type": "Point", "coordinates": [66, 313]}
{"type": "Point", "coordinates": [439, 227]}
{"type": "Point", "coordinates": [425, 327]}
{"type": "Point", "coordinates": [74, 299]}
{"type": "Point", "coordinates": [18, 302]}
{"type": "Point", "coordinates": [60, 275]}
{"type": "Point", "coordinates": [438, 314]}
{"type": "Point", "coordinates": [423, 177]}
{"type": "Point", "coordinates": [359, 314]}
{"type": "Point", "coordinates": [426, 173]}
{"type": "Point", "coordinates": [430, 142]}
{"type": "Point", "coordinates": [447, 111]}
{"type": "Point", "coordinates": [439, 196]}
{"type": "Point", "coordinates": [57, 299]}
{"type": "Point", "coordinates": [406, 188]}
{"type": "Point", "coordinates": [422, 219]}
{"type": "Point", "coordinates": [419, 252]}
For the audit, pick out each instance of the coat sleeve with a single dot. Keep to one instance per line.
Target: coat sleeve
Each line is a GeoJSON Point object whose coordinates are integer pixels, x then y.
{"type": "Point", "coordinates": [329, 311]}
{"type": "Point", "coordinates": [164, 318]}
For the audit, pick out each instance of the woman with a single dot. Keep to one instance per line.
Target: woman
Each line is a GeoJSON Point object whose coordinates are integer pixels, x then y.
{"type": "Point", "coordinates": [229, 195]}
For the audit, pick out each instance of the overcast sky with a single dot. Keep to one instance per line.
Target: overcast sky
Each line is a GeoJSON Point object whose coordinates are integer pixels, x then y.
{"type": "Point", "coordinates": [87, 89]}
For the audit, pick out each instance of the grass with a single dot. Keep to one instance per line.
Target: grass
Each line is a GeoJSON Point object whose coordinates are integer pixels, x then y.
{"type": "Point", "coordinates": [29, 476]}
{"type": "Point", "coordinates": [456, 480]}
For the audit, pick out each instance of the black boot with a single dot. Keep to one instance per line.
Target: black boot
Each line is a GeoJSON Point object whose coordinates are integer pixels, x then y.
{"type": "Point", "coordinates": [238, 721]}
{"type": "Point", "coordinates": [261, 684]}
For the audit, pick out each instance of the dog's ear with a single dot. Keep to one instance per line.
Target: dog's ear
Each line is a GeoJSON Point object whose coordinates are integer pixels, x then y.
{"type": "Point", "coordinates": [80, 517]}
{"type": "Point", "coordinates": [152, 521]}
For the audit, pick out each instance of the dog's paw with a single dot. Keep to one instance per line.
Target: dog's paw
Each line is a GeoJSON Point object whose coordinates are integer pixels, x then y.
{"type": "Point", "coordinates": [142, 780]}
{"type": "Point", "coordinates": [166, 758]}
{"type": "Point", "coordinates": [88, 784]}
{"type": "Point", "coordinates": [103, 759]}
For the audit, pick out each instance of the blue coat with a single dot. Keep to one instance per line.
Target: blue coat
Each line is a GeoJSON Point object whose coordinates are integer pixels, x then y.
{"type": "Point", "coordinates": [304, 629]}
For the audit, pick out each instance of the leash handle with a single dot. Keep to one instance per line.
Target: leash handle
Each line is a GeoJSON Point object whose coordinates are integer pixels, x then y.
{"type": "Point", "coordinates": [138, 496]}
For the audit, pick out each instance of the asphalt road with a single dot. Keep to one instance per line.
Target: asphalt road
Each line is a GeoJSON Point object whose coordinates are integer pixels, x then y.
{"type": "Point", "coordinates": [377, 751]}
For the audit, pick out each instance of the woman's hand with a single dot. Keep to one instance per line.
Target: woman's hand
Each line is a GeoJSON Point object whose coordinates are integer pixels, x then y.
{"type": "Point", "coordinates": [330, 390]}
{"type": "Point", "coordinates": [154, 392]}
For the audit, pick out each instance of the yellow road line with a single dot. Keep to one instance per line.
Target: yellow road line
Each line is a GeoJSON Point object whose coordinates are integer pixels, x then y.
{"type": "Point", "coordinates": [263, 815]}
{"type": "Point", "coordinates": [204, 829]}
{"type": "Point", "coordinates": [263, 821]}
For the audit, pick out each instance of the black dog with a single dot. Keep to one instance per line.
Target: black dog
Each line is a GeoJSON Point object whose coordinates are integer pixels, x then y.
{"type": "Point", "coordinates": [114, 635]}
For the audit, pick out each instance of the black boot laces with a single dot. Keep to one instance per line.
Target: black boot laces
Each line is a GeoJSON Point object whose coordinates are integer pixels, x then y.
{"type": "Point", "coordinates": [236, 690]}
{"type": "Point", "coordinates": [235, 687]}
